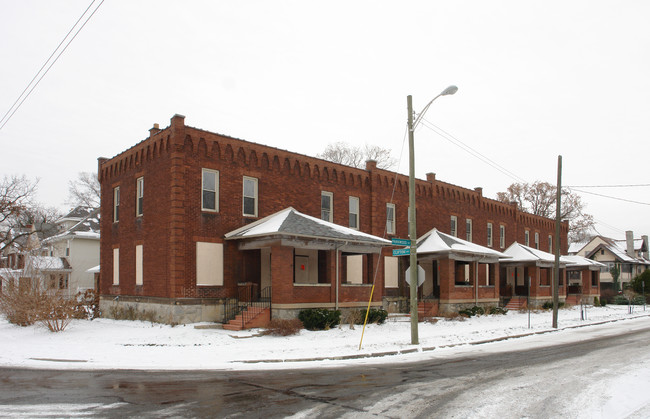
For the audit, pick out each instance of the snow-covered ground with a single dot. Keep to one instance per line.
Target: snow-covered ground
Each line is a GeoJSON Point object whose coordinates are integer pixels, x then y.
{"type": "Point", "coordinates": [110, 344]}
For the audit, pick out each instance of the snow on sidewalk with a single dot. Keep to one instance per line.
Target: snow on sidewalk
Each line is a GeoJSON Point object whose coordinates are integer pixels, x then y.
{"type": "Point", "coordinates": [111, 344]}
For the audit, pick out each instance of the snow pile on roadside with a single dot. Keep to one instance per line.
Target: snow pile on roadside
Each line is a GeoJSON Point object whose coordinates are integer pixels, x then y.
{"type": "Point", "coordinates": [105, 343]}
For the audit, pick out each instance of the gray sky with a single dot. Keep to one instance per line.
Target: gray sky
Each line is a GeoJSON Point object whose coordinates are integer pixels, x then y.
{"type": "Point", "coordinates": [536, 80]}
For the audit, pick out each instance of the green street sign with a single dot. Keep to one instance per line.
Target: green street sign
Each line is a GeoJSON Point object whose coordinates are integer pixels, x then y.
{"type": "Point", "coordinates": [401, 252]}
{"type": "Point", "coordinates": [401, 242]}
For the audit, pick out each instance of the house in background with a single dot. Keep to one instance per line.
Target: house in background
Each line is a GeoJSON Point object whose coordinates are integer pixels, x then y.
{"type": "Point", "coordinates": [77, 244]}
{"type": "Point", "coordinates": [630, 255]}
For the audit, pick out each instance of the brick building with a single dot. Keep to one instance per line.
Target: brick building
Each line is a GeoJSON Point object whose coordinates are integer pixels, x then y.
{"type": "Point", "coordinates": [170, 200]}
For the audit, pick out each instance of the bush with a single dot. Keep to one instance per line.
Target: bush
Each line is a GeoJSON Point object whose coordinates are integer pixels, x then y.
{"type": "Point", "coordinates": [497, 310]}
{"type": "Point", "coordinates": [474, 311]}
{"type": "Point", "coordinates": [636, 283]}
{"type": "Point", "coordinates": [87, 306]}
{"type": "Point", "coordinates": [283, 327]}
{"type": "Point", "coordinates": [620, 300]}
{"type": "Point", "coordinates": [607, 295]}
{"type": "Point", "coordinates": [548, 305]}
{"type": "Point", "coordinates": [596, 302]}
{"type": "Point", "coordinates": [374, 316]}
{"type": "Point", "coordinates": [319, 318]}
{"type": "Point", "coordinates": [30, 303]}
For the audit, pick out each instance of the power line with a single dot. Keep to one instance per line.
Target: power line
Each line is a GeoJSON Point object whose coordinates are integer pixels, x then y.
{"type": "Point", "coordinates": [18, 103]}
{"type": "Point", "coordinates": [610, 186]}
{"type": "Point", "coordinates": [610, 197]}
{"type": "Point", "coordinates": [468, 149]}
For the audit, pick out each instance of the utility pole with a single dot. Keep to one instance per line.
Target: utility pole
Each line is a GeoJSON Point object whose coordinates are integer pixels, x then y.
{"type": "Point", "coordinates": [413, 261]}
{"type": "Point", "coordinates": [558, 220]}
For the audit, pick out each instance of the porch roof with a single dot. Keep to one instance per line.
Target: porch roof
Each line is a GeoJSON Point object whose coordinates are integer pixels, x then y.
{"type": "Point", "coordinates": [520, 254]}
{"type": "Point", "coordinates": [438, 243]}
{"type": "Point", "coordinates": [296, 229]}
{"type": "Point", "coordinates": [578, 262]}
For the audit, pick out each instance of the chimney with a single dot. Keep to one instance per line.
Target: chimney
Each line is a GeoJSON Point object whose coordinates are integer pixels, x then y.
{"type": "Point", "coordinates": [155, 130]}
{"type": "Point", "coordinates": [645, 247]}
{"type": "Point", "coordinates": [629, 241]}
{"type": "Point", "coordinates": [371, 165]}
{"type": "Point", "coordinates": [479, 190]}
{"type": "Point", "coordinates": [431, 177]}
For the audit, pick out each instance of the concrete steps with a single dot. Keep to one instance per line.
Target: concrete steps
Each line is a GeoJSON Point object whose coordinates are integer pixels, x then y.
{"type": "Point", "coordinates": [427, 309]}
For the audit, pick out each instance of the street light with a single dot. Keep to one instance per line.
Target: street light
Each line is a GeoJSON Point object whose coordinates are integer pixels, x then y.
{"type": "Point", "coordinates": [413, 261]}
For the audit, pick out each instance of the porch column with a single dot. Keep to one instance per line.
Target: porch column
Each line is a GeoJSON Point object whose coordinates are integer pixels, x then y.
{"type": "Point", "coordinates": [447, 278]}
{"type": "Point", "coordinates": [281, 274]}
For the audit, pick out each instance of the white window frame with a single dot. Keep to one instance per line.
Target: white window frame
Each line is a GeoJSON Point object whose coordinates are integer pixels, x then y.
{"type": "Point", "coordinates": [489, 234]}
{"type": "Point", "coordinates": [453, 229]}
{"type": "Point", "coordinates": [139, 196]}
{"type": "Point", "coordinates": [116, 204]}
{"type": "Point", "coordinates": [254, 196]}
{"type": "Point", "coordinates": [215, 173]}
{"type": "Point", "coordinates": [330, 210]}
{"type": "Point", "coordinates": [527, 238]}
{"type": "Point", "coordinates": [468, 229]}
{"type": "Point", "coordinates": [537, 240]}
{"type": "Point", "coordinates": [550, 243]}
{"type": "Point", "coordinates": [353, 208]}
{"type": "Point", "coordinates": [502, 236]}
{"type": "Point", "coordinates": [390, 218]}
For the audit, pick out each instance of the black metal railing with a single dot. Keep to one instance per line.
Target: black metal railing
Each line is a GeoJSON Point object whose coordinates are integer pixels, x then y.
{"type": "Point", "coordinates": [249, 303]}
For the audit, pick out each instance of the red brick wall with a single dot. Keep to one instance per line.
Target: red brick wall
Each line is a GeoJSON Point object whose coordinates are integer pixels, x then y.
{"type": "Point", "coordinates": [171, 161]}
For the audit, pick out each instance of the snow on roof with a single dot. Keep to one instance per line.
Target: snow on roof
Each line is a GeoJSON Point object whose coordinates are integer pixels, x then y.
{"type": "Point", "coordinates": [520, 253]}
{"type": "Point", "coordinates": [438, 242]}
{"type": "Point", "coordinates": [290, 222]}
{"type": "Point", "coordinates": [575, 261]}
{"type": "Point", "coordinates": [46, 263]}
{"type": "Point", "coordinates": [88, 227]}
{"type": "Point", "coordinates": [93, 270]}
{"type": "Point", "coordinates": [575, 248]}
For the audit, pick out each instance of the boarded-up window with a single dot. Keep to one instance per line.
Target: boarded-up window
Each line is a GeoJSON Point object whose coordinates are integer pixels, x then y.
{"type": "Point", "coordinates": [116, 266]}
{"type": "Point", "coordinates": [209, 263]}
{"type": "Point", "coordinates": [390, 272]}
{"type": "Point", "coordinates": [354, 269]}
{"type": "Point", "coordinates": [138, 264]}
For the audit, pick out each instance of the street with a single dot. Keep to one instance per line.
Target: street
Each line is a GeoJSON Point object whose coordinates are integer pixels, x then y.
{"type": "Point", "coordinates": [546, 381]}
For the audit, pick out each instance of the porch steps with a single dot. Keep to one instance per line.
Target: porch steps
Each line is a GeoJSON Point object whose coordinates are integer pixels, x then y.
{"type": "Point", "coordinates": [573, 299]}
{"type": "Point", "coordinates": [427, 309]}
{"type": "Point", "coordinates": [259, 317]}
{"type": "Point", "coordinates": [517, 303]}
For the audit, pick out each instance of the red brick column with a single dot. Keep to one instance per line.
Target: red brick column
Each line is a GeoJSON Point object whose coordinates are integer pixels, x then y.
{"type": "Point", "coordinates": [282, 274]}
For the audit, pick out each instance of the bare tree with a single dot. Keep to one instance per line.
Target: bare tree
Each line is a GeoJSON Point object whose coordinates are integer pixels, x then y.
{"type": "Point", "coordinates": [344, 153]}
{"type": "Point", "coordinates": [539, 198]}
{"type": "Point", "coordinates": [84, 191]}
{"type": "Point", "coordinates": [20, 215]}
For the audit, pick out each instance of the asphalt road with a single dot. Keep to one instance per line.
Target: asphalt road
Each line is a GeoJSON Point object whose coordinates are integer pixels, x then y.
{"type": "Point", "coordinates": [547, 381]}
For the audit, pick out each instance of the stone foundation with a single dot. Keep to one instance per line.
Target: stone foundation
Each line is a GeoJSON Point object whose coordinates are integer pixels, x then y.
{"type": "Point", "coordinates": [162, 310]}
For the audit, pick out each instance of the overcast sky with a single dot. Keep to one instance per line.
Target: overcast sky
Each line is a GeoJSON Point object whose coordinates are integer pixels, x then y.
{"type": "Point", "coordinates": [536, 80]}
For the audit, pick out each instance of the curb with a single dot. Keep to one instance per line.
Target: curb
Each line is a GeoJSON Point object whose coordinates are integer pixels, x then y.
{"type": "Point", "coordinates": [430, 348]}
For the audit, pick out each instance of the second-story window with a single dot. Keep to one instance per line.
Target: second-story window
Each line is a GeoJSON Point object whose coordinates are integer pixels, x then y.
{"type": "Point", "coordinates": [468, 230]}
{"type": "Point", "coordinates": [390, 218]}
{"type": "Point", "coordinates": [502, 236]}
{"type": "Point", "coordinates": [489, 234]}
{"type": "Point", "coordinates": [354, 212]}
{"type": "Point", "coordinates": [536, 240]}
{"type": "Point", "coordinates": [139, 196]}
{"type": "Point", "coordinates": [210, 190]}
{"type": "Point", "coordinates": [250, 196]}
{"type": "Point", "coordinates": [527, 238]}
{"type": "Point", "coordinates": [116, 204]}
{"type": "Point", "coordinates": [550, 243]}
{"type": "Point", "coordinates": [326, 204]}
{"type": "Point", "coordinates": [454, 226]}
